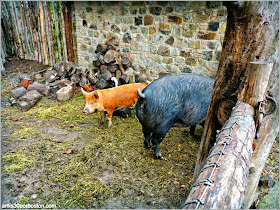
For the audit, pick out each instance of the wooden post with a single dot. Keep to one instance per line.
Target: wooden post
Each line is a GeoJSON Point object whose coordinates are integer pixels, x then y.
{"type": "Point", "coordinates": [45, 53]}
{"type": "Point", "coordinates": [226, 169]}
{"type": "Point", "coordinates": [257, 80]}
{"type": "Point", "coordinates": [253, 92]}
{"type": "Point", "coordinates": [230, 185]}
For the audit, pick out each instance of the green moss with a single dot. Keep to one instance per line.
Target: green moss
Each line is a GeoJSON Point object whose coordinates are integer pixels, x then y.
{"type": "Point", "coordinates": [16, 161]}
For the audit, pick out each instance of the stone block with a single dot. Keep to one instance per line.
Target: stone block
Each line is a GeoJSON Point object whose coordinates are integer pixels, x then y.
{"type": "Point", "coordinates": [83, 47]}
{"type": "Point", "coordinates": [187, 16]}
{"type": "Point", "coordinates": [148, 20]}
{"type": "Point", "coordinates": [169, 9]}
{"type": "Point", "coordinates": [165, 28]}
{"type": "Point", "coordinates": [87, 40]}
{"type": "Point", "coordinates": [195, 44]}
{"type": "Point", "coordinates": [138, 21]}
{"type": "Point", "coordinates": [133, 11]}
{"type": "Point", "coordinates": [153, 48]}
{"type": "Point", "coordinates": [164, 50]}
{"type": "Point", "coordinates": [173, 69]}
{"type": "Point", "coordinates": [170, 40]}
{"type": "Point", "coordinates": [207, 55]}
{"type": "Point", "coordinates": [135, 46]}
{"type": "Point", "coordinates": [207, 36]}
{"type": "Point", "coordinates": [179, 60]}
{"type": "Point", "coordinates": [115, 29]}
{"type": "Point", "coordinates": [152, 30]}
{"type": "Point", "coordinates": [191, 61]}
{"type": "Point", "coordinates": [175, 51]}
{"type": "Point", "coordinates": [167, 60]}
{"type": "Point", "coordinates": [212, 44]}
{"type": "Point", "coordinates": [200, 70]}
{"type": "Point", "coordinates": [127, 38]}
{"type": "Point", "coordinates": [186, 53]}
{"type": "Point", "coordinates": [145, 47]}
{"type": "Point", "coordinates": [142, 10]}
{"type": "Point", "coordinates": [213, 26]}
{"type": "Point", "coordinates": [175, 19]}
{"type": "Point", "coordinates": [155, 10]}
{"type": "Point", "coordinates": [123, 11]}
{"type": "Point", "coordinates": [144, 30]}
{"type": "Point", "coordinates": [201, 15]}
{"type": "Point", "coordinates": [186, 69]}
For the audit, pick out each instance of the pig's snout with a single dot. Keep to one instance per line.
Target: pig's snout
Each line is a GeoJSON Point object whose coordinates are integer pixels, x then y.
{"type": "Point", "coordinates": [89, 111]}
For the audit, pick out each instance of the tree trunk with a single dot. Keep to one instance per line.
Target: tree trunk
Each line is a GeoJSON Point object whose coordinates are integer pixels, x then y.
{"type": "Point", "coordinates": [251, 29]}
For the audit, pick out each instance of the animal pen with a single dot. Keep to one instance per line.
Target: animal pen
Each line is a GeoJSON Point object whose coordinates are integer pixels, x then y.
{"type": "Point", "coordinates": [242, 120]}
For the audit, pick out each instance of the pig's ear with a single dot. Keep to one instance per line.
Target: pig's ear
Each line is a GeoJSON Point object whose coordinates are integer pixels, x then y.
{"type": "Point", "coordinates": [95, 95]}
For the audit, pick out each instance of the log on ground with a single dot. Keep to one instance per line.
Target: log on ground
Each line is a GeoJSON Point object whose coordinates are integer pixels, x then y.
{"type": "Point", "coordinates": [29, 99]}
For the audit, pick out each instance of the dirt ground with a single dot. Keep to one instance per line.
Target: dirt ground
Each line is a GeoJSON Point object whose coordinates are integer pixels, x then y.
{"type": "Point", "coordinates": [54, 154]}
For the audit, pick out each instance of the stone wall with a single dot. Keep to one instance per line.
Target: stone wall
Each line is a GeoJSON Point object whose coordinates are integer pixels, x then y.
{"type": "Point", "coordinates": [161, 36]}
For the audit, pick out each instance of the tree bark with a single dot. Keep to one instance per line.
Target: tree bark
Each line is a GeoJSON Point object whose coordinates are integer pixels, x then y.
{"type": "Point", "coordinates": [250, 33]}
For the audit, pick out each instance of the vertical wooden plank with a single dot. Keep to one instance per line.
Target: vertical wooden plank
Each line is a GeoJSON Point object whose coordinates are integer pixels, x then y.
{"type": "Point", "coordinates": [12, 36]}
{"type": "Point", "coordinates": [6, 35]}
{"type": "Point", "coordinates": [45, 53]}
{"type": "Point", "coordinates": [33, 26]}
{"type": "Point", "coordinates": [74, 32]}
{"type": "Point", "coordinates": [62, 30]}
{"type": "Point", "coordinates": [25, 31]}
{"type": "Point", "coordinates": [57, 27]}
{"type": "Point", "coordinates": [56, 46]}
{"type": "Point", "coordinates": [29, 31]}
{"type": "Point", "coordinates": [47, 33]}
{"type": "Point", "coordinates": [68, 30]}
{"type": "Point", "coordinates": [52, 57]}
{"type": "Point", "coordinates": [17, 28]}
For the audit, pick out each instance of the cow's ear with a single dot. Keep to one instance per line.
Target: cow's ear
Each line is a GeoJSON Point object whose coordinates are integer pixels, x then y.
{"type": "Point", "coordinates": [95, 95]}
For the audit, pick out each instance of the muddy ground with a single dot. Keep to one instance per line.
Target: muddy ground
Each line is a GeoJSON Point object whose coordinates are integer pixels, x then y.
{"type": "Point", "coordinates": [54, 154]}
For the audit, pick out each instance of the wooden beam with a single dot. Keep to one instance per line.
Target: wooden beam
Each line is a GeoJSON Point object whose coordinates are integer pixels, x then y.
{"type": "Point", "coordinates": [226, 169]}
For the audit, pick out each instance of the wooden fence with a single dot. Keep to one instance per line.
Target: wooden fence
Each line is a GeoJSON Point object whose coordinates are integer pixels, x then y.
{"type": "Point", "coordinates": [39, 30]}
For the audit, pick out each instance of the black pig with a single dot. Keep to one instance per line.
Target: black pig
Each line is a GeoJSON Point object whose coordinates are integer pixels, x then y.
{"type": "Point", "coordinates": [178, 98]}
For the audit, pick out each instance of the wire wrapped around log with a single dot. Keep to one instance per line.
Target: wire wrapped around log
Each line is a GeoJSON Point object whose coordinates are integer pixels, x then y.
{"type": "Point", "coordinates": [222, 181]}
